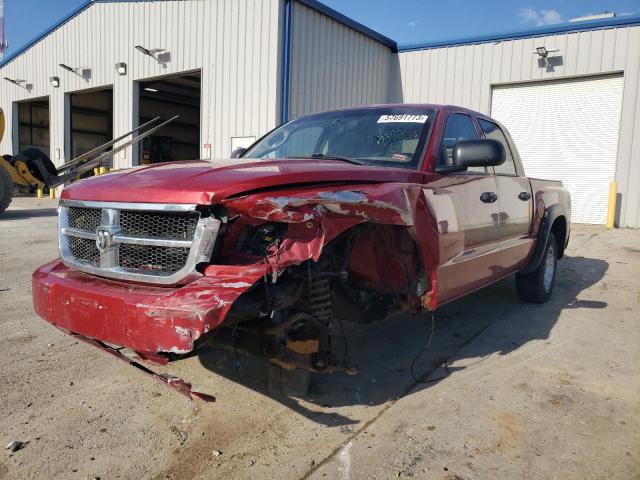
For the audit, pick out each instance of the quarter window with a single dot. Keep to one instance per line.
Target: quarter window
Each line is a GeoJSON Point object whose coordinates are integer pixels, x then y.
{"type": "Point", "coordinates": [493, 132]}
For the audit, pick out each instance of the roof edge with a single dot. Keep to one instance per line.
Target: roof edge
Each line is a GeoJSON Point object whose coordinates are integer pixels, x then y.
{"type": "Point", "coordinates": [46, 32]}
{"type": "Point", "coordinates": [622, 21]}
{"type": "Point", "coordinates": [349, 22]}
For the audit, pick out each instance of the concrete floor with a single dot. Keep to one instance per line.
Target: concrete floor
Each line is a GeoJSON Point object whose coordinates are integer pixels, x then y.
{"type": "Point", "coordinates": [530, 391]}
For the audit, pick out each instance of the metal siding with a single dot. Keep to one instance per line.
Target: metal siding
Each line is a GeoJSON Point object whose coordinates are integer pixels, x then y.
{"type": "Point", "coordinates": [333, 65]}
{"type": "Point", "coordinates": [239, 90]}
{"type": "Point", "coordinates": [433, 75]}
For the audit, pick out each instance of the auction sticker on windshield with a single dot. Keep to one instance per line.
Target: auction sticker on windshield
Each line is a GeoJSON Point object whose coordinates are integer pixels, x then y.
{"type": "Point", "coordinates": [403, 118]}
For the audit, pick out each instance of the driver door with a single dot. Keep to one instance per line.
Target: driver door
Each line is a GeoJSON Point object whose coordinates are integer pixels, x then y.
{"type": "Point", "coordinates": [465, 204]}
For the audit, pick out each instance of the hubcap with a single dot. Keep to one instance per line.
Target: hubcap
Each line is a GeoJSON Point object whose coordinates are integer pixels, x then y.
{"type": "Point", "coordinates": [549, 267]}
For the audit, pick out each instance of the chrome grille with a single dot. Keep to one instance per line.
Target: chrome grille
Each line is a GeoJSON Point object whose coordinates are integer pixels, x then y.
{"type": "Point", "coordinates": [153, 243]}
{"type": "Point", "coordinates": [84, 249]}
{"type": "Point", "coordinates": [84, 218]}
{"type": "Point", "coordinates": [155, 260]}
{"type": "Point", "coordinates": [177, 226]}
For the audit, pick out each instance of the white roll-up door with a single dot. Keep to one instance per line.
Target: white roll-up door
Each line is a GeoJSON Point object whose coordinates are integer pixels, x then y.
{"type": "Point", "coordinates": [567, 130]}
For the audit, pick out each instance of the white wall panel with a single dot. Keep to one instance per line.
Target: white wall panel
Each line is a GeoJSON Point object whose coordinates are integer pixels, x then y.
{"type": "Point", "coordinates": [464, 75]}
{"type": "Point", "coordinates": [233, 42]}
{"type": "Point", "coordinates": [333, 65]}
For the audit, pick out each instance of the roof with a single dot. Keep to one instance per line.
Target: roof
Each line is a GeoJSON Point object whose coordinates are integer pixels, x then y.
{"type": "Point", "coordinates": [337, 16]}
{"type": "Point", "coordinates": [626, 20]}
{"type": "Point", "coordinates": [59, 24]}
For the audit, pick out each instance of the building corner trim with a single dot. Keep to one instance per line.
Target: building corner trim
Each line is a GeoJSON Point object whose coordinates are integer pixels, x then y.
{"type": "Point", "coordinates": [286, 62]}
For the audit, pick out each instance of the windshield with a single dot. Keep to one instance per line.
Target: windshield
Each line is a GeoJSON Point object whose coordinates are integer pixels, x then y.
{"type": "Point", "coordinates": [388, 136]}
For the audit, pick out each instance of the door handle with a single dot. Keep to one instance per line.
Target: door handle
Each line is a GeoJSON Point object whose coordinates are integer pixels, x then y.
{"type": "Point", "coordinates": [524, 196]}
{"type": "Point", "coordinates": [488, 197]}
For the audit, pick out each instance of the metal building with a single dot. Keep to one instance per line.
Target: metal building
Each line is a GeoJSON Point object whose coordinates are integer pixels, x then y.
{"type": "Point", "coordinates": [234, 69]}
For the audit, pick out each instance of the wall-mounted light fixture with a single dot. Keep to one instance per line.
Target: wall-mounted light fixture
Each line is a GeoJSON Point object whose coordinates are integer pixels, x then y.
{"type": "Point", "coordinates": [160, 55]}
{"type": "Point", "coordinates": [543, 52]}
{"type": "Point", "coordinates": [15, 82]}
{"type": "Point", "coordinates": [69, 69]}
{"type": "Point", "coordinates": [82, 72]}
{"type": "Point", "coordinates": [141, 49]}
{"type": "Point", "coordinates": [55, 81]}
{"type": "Point", "coordinates": [121, 68]}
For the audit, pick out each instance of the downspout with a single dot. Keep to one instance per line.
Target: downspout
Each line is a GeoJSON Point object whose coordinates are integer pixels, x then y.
{"type": "Point", "coordinates": [286, 59]}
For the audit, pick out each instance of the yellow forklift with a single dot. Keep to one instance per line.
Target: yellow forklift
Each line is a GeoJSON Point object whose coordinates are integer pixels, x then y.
{"type": "Point", "coordinates": [32, 169]}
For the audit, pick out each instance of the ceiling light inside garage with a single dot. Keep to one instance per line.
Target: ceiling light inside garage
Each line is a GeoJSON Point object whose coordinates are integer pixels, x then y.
{"type": "Point", "coordinates": [149, 89]}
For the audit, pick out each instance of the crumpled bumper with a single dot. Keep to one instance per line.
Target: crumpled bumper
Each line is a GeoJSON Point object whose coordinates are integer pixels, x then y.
{"type": "Point", "coordinates": [147, 319]}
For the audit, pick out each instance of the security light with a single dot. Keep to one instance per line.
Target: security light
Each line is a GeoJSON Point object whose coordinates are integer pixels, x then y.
{"type": "Point", "coordinates": [15, 82]}
{"type": "Point", "coordinates": [68, 68]}
{"type": "Point", "coordinates": [121, 68]}
{"type": "Point", "coordinates": [543, 52]}
{"type": "Point", "coordinates": [55, 81]}
{"type": "Point", "coordinates": [153, 53]}
{"type": "Point", "coordinates": [140, 48]}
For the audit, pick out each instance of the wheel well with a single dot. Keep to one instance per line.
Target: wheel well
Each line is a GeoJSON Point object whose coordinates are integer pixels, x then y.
{"type": "Point", "coordinates": [559, 229]}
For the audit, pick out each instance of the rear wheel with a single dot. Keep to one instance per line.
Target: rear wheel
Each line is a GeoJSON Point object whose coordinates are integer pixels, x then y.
{"type": "Point", "coordinates": [537, 286]}
{"type": "Point", "coordinates": [6, 189]}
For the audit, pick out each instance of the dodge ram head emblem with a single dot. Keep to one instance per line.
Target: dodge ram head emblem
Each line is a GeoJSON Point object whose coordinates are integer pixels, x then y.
{"type": "Point", "coordinates": [104, 239]}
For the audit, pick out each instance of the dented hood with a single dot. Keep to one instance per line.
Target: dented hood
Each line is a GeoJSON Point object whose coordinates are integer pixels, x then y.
{"type": "Point", "coordinates": [204, 182]}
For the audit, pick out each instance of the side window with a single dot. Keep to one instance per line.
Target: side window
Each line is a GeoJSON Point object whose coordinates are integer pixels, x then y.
{"type": "Point", "coordinates": [459, 127]}
{"type": "Point", "coordinates": [492, 131]}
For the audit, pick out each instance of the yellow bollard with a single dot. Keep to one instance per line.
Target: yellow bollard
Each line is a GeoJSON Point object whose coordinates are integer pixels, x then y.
{"type": "Point", "coordinates": [96, 171]}
{"type": "Point", "coordinates": [39, 193]}
{"type": "Point", "coordinates": [102, 170]}
{"type": "Point", "coordinates": [52, 192]}
{"type": "Point", "coordinates": [611, 212]}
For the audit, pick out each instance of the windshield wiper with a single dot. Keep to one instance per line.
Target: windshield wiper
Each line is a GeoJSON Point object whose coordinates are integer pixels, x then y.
{"type": "Point", "coordinates": [334, 157]}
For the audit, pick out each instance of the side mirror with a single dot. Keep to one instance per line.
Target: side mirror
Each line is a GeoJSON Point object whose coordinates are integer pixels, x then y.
{"type": "Point", "coordinates": [238, 152]}
{"type": "Point", "coordinates": [478, 153]}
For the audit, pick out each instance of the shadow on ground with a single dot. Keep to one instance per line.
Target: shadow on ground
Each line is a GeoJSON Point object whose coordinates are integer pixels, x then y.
{"type": "Point", "coordinates": [30, 213]}
{"type": "Point", "coordinates": [384, 351]}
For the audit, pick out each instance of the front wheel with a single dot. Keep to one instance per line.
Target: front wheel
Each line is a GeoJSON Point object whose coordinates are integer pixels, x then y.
{"type": "Point", "coordinates": [537, 286]}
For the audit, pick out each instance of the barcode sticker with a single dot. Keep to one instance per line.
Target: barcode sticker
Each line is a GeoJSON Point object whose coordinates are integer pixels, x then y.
{"type": "Point", "coordinates": [403, 118]}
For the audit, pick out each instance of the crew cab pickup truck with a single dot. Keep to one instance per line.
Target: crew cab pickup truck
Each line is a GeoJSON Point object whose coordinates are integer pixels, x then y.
{"type": "Point", "coordinates": [349, 215]}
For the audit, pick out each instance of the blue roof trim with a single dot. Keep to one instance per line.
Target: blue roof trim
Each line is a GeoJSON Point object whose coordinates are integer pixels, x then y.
{"type": "Point", "coordinates": [626, 20]}
{"type": "Point", "coordinates": [59, 24]}
{"type": "Point", "coordinates": [53, 27]}
{"type": "Point", "coordinates": [339, 17]}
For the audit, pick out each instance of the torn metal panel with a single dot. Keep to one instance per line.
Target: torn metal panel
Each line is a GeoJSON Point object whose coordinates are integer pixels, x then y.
{"type": "Point", "coordinates": [176, 383]}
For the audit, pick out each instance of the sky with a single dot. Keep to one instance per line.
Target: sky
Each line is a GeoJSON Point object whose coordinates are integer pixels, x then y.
{"type": "Point", "coordinates": [405, 21]}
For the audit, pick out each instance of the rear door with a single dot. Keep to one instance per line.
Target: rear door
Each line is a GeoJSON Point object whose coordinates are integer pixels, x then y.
{"type": "Point", "coordinates": [515, 202]}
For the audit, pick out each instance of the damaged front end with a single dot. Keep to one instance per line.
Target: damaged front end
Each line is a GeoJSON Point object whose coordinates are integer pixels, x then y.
{"type": "Point", "coordinates": [272, 273]}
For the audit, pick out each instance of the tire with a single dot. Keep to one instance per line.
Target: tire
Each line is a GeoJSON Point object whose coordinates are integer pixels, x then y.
{"type": "Point", "coordinates": [537, 286]}
{"type": "Point", "coordinates": [288, 383]}
{"type": "Point", "coordinates": [6, 189]}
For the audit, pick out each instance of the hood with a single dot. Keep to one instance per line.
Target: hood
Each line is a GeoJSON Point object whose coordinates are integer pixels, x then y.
{"type": "Point", "coordinates": [203, 182]}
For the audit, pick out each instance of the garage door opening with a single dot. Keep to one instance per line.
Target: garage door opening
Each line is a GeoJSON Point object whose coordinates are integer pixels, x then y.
{"type": "Point", "coordinates": [33, 125]}
{"type": "Point", "coordinates": [91, 121]}
{"type": "Point", "coordinates": [166, 97]}
{"type": "Point", "coordinates": [567, 130]}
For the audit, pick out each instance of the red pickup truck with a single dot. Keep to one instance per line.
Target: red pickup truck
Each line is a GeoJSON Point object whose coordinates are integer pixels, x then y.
{"type": "Point", "coordinates": [353, 215]}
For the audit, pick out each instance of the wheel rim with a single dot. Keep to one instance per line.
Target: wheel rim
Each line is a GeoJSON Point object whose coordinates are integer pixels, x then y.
{"type": "Point", "coordinates": [549, 268]}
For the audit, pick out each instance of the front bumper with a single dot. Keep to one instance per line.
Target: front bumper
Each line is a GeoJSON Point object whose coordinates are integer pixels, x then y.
{"type": "Point", "coordinates": [146, 319]}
